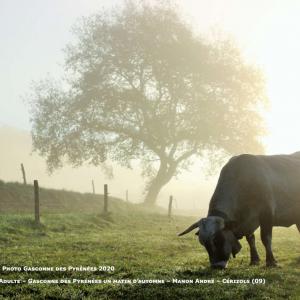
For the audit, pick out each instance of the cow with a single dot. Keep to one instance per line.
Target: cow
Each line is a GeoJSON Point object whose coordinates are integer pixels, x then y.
{"type": "Point", "coordinates": [252, 191]}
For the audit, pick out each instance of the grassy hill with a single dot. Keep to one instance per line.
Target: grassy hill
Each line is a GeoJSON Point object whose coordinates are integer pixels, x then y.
{"type": "Point", "coordinates": [139, 244]}
{"type": "Point", "coordinates": [18, 198]}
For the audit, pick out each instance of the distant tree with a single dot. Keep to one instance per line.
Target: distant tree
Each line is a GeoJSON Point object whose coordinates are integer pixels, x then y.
{"type": "Point", "coordinates": [141, 86]}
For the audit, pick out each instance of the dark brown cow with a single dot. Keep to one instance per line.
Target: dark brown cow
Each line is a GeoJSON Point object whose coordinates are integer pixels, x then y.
{"type": "Point", "coordinates": [252, 191]}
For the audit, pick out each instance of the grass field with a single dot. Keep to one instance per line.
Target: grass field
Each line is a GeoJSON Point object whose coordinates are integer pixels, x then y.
{"type": "Point", "coordinates": [139, 245]}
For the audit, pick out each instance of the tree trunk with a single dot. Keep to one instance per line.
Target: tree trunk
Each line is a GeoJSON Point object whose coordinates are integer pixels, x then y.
{"type": "Point", "coordinates": [164, 175]}
{"type": "Point", "coordinates": [153, 192]}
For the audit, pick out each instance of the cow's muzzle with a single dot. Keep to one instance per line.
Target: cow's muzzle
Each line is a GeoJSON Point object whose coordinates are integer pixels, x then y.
{"type": "Point", "coordinates": [219, 265]}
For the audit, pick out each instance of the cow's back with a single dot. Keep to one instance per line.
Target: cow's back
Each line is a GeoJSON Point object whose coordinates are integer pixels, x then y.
{"type": "Point", "coordinates": [251, 184]}
{"type": "Point", "coordinates": [282, 173]}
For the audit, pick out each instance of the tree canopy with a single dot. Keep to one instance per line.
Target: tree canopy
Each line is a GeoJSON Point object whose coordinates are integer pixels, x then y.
{"type": "Point", "coordinates": [141, 85]}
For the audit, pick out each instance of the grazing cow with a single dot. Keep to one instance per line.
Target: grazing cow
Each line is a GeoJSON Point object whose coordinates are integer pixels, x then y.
{"type": "Point", "coordinates": [252, 191]}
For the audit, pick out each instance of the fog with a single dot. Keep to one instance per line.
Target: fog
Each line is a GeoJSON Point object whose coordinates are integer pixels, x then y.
{"type": "Point", "coordinates": [43, 29]}
{"type": "Point", "coordinates": [191, 190]}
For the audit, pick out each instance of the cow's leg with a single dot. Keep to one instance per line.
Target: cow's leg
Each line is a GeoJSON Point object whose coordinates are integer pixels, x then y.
{"type": "Point", "coordinates": [253, 252]}
{"type": "Point", "coordinates": [266, 237]}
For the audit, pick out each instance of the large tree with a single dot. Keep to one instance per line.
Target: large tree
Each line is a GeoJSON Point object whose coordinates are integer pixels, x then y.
{"type": "Point", "coordinates": [142, 86]}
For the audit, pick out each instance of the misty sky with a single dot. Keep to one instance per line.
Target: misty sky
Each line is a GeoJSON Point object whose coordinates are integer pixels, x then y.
{"type": "Point", "coordinates": [34, 32]}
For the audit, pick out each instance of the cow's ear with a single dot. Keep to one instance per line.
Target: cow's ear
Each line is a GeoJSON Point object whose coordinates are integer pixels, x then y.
{"type": "Point", "coordinates": [230, 225]}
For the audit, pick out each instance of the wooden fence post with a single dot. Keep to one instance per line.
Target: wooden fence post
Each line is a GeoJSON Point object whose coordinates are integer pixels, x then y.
{"type": "Point", "coordinates": [36, 202]}
{"type": "Point", "coordinates": [105, 199]}
{"type": "Point", "coordinates": [23, 174]}
{"type": "Point", "coordinates": [170, 206]}
{"type": "Point", "coordinates": [93, 185]}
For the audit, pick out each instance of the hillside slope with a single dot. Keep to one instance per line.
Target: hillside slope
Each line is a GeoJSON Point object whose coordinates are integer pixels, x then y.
{"type": "Point", "coordinates": [18, 198]}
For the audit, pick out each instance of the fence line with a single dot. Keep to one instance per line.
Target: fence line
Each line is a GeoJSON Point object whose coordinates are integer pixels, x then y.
{"type": "Point", "coordinates": [170, 206]}
{"type": "Point", "coordinates": [23, 174]}
{"type": "Point", "coordinates": [93, 187]}
{"type": "Point", "coordinates": [36, 202]}
{"type": "Point", "coordinates": [105, 210]}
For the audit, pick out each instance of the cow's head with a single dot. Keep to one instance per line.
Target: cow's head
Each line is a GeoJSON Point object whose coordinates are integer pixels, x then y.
{"type": "Point", "coordinates": [217, 238]}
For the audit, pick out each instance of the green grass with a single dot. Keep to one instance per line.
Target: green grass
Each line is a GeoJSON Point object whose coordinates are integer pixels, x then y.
{"type": "Point", "coordinates": [18, 198]}
{"type": "Point", "coordinates": [139, 245]}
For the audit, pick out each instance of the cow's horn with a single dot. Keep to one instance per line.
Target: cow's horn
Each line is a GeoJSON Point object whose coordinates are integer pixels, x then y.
{"type": "Point", "coordinates": [195, 225]}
